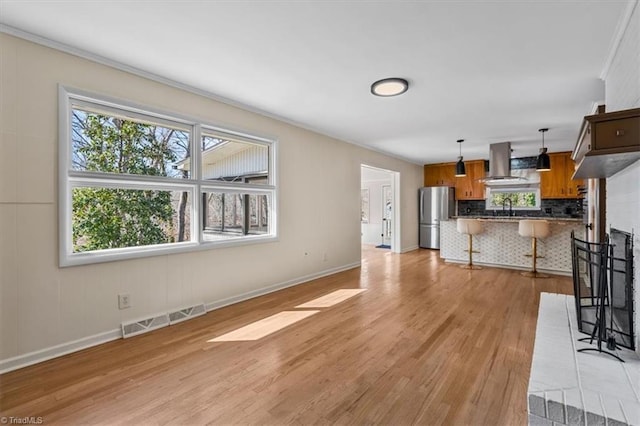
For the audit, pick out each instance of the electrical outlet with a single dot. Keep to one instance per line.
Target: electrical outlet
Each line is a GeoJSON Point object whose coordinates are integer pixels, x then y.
{"type": "Point", "coordinates": [124, 301]}
{"type": "Point", "coordinates": [325, 257]}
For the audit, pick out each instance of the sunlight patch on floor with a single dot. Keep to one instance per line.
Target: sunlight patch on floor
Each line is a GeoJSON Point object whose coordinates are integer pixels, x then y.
{"type": "Point", "coordinates": [264, 327]}
{"type": "Point", "coordinates": [332, 298]}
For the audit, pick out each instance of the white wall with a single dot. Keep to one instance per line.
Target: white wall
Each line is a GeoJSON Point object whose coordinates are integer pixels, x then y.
{"type": "Point", "coordinates": [622, 82]}
{"type": "Point", "coordinates": [622, 91]}
{"type": "Point", "coordinates": [42, 306]}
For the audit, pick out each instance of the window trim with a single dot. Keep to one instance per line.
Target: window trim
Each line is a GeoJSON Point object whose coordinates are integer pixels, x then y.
{"type": "Point", "coordinates": [68, 98]}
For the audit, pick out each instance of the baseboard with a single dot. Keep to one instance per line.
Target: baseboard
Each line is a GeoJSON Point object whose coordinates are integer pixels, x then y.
{"type": "Point", "coordinates": [46, 354]}
{"type": "Point", "coordinates": [408, 249]}
{"type": "Point", "coordinates": [270, 289]}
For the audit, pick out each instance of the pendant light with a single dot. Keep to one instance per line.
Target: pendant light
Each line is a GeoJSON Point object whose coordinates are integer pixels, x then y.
{"type": "Point", "coordinates": [460, 170]}
{"type": "Point", "coordinates": [543, 164]}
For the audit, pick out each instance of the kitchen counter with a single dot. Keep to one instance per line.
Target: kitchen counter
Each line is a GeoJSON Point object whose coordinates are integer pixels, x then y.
{"type": "Point", "coordinates": [516, 218]}
{"type": "Point", "coordinates": [501, 245]}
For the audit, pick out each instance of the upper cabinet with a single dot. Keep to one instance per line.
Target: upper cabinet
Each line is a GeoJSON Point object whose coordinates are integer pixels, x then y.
{"type": "Point", "coordinates": [442, 174]}
{"type": "Point", "coordinates": [608, 143]}
{"type": "Point", "coordinates": [557, 182]}
{"type": "Point", "coordinates": [469, 187]}
{"type": "Point", "coordinates": [572, 184]}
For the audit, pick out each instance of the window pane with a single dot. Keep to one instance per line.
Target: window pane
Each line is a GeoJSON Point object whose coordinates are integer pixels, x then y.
{"type": "Point", "coordinates": [232, 215]}
{"type": "Point", "coordinates": [234, 161]}
{"type": "Point", "coordinates": [518, 199]}
{"type": "Point", "coordinates": [106, 218]}
{"type": "Point", "coordinates": [258, 214]}
{"type": "Point", "coordinates": [105, 143]}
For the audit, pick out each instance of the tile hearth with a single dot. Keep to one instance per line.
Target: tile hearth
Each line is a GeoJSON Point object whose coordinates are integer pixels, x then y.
{"type": "Point", "coordinates": [567, 387]}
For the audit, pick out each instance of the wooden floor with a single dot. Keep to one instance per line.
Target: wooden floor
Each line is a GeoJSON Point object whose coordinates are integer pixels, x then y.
{"type": "Point", "coordinates": [427, 343]}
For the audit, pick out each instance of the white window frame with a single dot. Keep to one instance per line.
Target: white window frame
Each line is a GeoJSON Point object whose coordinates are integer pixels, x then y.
{"type": "Point", "coordinates": [69, 98]}
{"type": "Point", "coordinates": [508, 188]}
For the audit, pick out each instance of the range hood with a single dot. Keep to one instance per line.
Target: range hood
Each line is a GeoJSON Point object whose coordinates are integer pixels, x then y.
{"type": "Point", "coordinates": [500, 165]}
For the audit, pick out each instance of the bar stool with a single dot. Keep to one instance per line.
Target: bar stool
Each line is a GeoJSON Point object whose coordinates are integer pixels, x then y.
{"type": "Point", "coordinates": [470, 227]}
{"type": "Point", "coordinates": [534, 229]}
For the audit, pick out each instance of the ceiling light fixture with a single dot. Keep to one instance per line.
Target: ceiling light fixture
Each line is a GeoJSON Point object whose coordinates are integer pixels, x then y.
{"type": "Point", "coordinates": [390, 87]}
{"type": "Point", "coordinates": [460, 170]}
{"type": "Point", "coordinates": [543, 164]}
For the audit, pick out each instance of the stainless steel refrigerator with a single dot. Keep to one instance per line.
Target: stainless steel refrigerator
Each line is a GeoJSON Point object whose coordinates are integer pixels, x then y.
{"type": "Point", "coordinates": [436, 203]}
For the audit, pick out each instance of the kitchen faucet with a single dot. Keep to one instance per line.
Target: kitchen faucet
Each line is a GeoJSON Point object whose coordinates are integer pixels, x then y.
{"type": "Point", "coordinates": [510, 205]}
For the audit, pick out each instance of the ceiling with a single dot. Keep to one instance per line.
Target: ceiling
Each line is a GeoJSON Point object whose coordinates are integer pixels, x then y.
{"type": "Point", "coordinates": [483, 71]}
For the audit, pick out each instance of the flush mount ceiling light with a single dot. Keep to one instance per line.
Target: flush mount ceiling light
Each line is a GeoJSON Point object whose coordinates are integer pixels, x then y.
{"type": "Point", "coordinates": [543, 164]}
{"type": "Point", "coordinates": [390, 87]}
{"type": "Point", "coordinates": [460, 170]}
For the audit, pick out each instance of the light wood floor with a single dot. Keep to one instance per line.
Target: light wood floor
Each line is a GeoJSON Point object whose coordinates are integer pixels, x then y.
{"type": "Point", "coordinates": [427, 343]}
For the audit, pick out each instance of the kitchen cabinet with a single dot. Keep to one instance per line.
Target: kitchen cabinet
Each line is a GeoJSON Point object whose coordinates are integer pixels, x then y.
{"type": "Point", "coordinates": [572, 184]}
{"type": "Point", "coordinates": [554, 182]}
{"type": "Point", "coordinates": [608, 143]}
{"type": "Point", "coordinates": [469, 187]}
{"type": "Point", "coordinates": [442, 174]}
{"type": "Point", "coordinates": [557, 182]}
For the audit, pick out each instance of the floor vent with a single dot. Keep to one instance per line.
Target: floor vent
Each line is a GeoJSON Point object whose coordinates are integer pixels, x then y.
{"type": "Point", "coordinates": [187, 313]}
{"type": "Point", "coordinates": [142, 326]}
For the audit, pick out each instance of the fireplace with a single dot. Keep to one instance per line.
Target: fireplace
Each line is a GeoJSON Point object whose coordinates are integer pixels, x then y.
{"type": "Point", "coordinates": [608, 264]}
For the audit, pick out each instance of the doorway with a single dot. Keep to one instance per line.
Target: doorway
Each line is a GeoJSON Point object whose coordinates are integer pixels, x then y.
{"type": "Point", "coordinates": [380, 227]}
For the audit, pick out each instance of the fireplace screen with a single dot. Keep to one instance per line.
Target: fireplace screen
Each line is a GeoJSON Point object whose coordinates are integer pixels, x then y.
{"type": "Point", "coordinates": [609, 264]}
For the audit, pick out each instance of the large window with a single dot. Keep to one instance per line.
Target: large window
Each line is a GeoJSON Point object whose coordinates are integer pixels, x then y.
{"type": "Point", "coordinates": [135, 182]}
{"type": "Point", "coordinates": [520, 198]}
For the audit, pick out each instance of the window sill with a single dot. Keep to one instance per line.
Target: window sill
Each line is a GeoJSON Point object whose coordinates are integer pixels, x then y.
{"type": "Point", "coordinates": [114, 255]}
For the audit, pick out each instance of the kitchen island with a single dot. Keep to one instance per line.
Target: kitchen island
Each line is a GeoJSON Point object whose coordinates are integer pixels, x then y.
{"type": "Point", "coordinates": [501, 245]}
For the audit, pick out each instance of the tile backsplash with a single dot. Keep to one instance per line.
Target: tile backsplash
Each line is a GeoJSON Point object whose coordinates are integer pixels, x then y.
{"type": "Point", "coordinates": [569, 207]}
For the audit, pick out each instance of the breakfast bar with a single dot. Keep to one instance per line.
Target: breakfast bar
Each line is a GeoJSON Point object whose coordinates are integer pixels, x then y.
{"type": "Point", "coordinates": [499, 244]}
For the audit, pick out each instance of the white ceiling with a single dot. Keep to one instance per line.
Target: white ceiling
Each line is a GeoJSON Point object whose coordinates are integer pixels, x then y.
{"type": "Point", "coordinates": [483, 71]}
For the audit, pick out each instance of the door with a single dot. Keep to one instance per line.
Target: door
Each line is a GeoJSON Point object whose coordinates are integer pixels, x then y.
{"type": "Point", "coordinates": [387, 221]}
{"type": "Point", "coordinates": [469, 187]}
{"type": "Point", "coordinates": [439, 174]}
{"type": "Point", "coordinates": [572, 190]}
{"type": "Point", "coordinates": [554, 182]}
{"type": "Point", "coordinates": [387, 206]}
{"type": "Point", "coordinates": [430, 201]}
